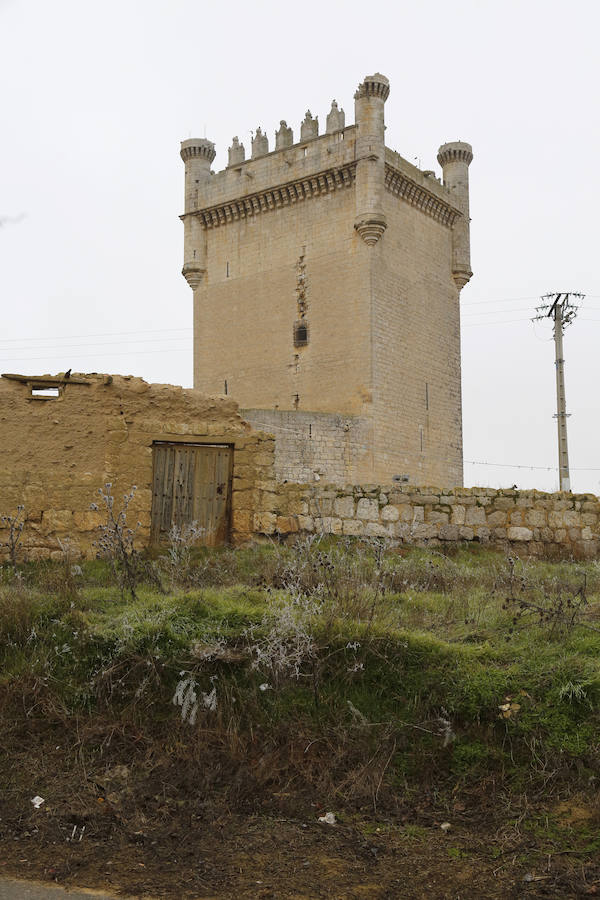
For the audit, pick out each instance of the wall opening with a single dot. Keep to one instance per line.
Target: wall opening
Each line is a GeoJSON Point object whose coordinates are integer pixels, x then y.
{"type": "Point", "coordinates": [46, 393]}
{"type": "Point", "coordinates": [301, 333]}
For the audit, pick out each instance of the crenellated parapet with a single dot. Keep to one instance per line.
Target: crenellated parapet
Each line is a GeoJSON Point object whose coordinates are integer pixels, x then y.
{"type": "Point", "coordinates": [374, 86]}
{"type": "Point", "coordinates": [260, 144]}
{"type": "Point", "coordinates": [197, 149]}
{"type": "Point", "coordinates": [336, 119]}
{"type": "Point", "coordinates": [316, 164]}
{"type": "Point", "coordinates": [309, 129]}
{"type": "Point", "coordinates": [236, 153]}
{"type": "Point", "coordinates": [284, 138]}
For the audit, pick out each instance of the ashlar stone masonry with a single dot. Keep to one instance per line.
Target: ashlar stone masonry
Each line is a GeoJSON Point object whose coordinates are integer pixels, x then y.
{"type": "Point", "coordinates": [326, 275]}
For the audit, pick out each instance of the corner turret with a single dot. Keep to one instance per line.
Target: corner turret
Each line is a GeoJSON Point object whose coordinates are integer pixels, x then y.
{"type": "Point", "coordinates": [455, 159]}
{"type": "Point", "coordinates": [197, 154]}
{"type": "Point", "coordinates": [369, 101]}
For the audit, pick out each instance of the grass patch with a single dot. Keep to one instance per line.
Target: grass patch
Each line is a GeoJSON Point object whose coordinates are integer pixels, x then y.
{"type": "Point", "coordinates": [346, 666]}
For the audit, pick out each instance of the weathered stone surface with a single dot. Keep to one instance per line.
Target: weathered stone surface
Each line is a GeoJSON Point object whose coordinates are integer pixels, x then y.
{"type": "Point", "coordinates": [436, 518]}
{"type": "Point", "coordinates": [449, 532]}
{"type": "Point", "coordinates": [353, 527]}
{"type": "Point", "coordinates": [475, 515]}
{"type": "Point", "coordinates": [517, 533]}
{"type": "Point", "coordinates": [375, 529]}
{"type": "Point", "coordinates": [367, 509]}
{"type": "Point", "coordinates": [390, 514]}
{"type": "Point", "coordinates": [458, 515]}
{"type": "Point", "coordinates": [344, 507]}
{"type": "Point", "coordinates": [264, 523]}
{"type": "Point", "coordinates": [286, 524]}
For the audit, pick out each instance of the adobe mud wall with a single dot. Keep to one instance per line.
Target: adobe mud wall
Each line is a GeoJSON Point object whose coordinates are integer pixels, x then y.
{"type": "Point", "coordinates": [528, 521]}
{"type": "Point", "coordinates": [56, 453]}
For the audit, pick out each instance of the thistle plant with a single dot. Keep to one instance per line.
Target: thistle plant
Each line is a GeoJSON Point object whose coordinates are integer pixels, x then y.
{"type": "Point", "coordinates": [15, 525]}
{"type": "Point", "coordinates": [116, 543]}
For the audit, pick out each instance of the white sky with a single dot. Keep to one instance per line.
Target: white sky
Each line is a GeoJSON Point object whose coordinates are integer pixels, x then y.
{"type": "Point", "coordinates": [97, 96]}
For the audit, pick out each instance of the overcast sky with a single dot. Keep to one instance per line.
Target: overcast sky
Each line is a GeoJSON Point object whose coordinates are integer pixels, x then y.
{"type": "Point", "coordinates": [97, 96]}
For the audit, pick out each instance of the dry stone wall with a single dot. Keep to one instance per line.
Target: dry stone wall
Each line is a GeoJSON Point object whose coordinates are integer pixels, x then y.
{"type": "Point", "coordinates": [531, 521]}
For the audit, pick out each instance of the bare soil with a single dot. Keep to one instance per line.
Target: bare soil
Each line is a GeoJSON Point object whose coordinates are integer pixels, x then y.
{"type": "Point", "coordinates": [149, 832]}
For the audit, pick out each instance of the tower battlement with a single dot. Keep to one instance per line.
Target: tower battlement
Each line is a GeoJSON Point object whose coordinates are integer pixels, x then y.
{"type": "Point", "coordinates": [326, 274]}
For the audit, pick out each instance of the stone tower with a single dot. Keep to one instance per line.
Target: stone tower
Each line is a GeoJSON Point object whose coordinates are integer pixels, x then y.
{"type": "Point", "coordinates": [326, 277]}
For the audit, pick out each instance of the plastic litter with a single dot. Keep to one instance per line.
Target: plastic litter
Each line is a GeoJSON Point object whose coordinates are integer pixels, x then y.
{"type": "Point", "coordinates": [37, 801]}
{"type": "Point", "coordinates": [445, 826]}
{"type": "Point", "coordinates": [328, 818]}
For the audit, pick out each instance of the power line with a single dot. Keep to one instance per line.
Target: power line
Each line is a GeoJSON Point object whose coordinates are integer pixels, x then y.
{"type": "Point", "coordinates": [473, 462]}
{"type": "Point", "coordinates": [514, 299]}
{"type": "Point", "coordinates": [59, 337]}
{"type": "Point", "coordinates": [489, 324]}
{"type": "Point", "coordinates": [97, 344]}
{"type": "Point", "coordinates": [97, 355]}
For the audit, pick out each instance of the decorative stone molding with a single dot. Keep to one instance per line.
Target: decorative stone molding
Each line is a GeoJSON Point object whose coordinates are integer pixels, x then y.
{"type": "Point", "coordinates": [193, 275]}
{"type": "Point", "coordinates": [198, 147]}
{"type": "Point", "coordinates": [376, 85]}
{"type": "Point", "coordinates": [461, 277]}
{"type": "Point", "coordinates": [285, 195]}
{"type": "Point", "coordinates": [284, 138]}
{"type": "Point", "coordinates": [336, 119]}
{"type": "Point", "coordinates": [309, 128]}
{"type": "Point", "coordinates": [371, 230]}
{"type": "Point", "coordinates": [260, 144]}
{"type": "Point", "coordinates": [237, 153]}
{"type": "Point", "coordinates": [404, 187]}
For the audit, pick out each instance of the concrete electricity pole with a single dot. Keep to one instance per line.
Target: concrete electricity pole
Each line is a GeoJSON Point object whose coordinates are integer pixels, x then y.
{"type": "Point", "coordinates": [562, 311]}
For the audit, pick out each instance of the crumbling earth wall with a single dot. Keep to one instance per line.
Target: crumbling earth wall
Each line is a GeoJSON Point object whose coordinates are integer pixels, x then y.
{"type": "Point", "coordinates": [55, 453]}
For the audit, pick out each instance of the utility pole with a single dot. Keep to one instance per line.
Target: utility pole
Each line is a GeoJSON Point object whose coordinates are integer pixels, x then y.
{"type": "Point", "coordinates": [562, 311]}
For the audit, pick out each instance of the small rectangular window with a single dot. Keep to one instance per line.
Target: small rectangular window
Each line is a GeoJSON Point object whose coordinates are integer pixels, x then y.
{"type": "Point", "coordinates": [301, 333]}
{"type": "Point", "coordinates": [305, 151]}
{"type": "Point", "coordinates": [227, 269]}
{"type": "Point", "coordinates": [47, 393]}
{"type": "Point", "coordinates": [426, 395]}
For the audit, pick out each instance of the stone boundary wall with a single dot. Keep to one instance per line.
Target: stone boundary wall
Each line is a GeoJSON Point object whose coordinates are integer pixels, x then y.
{"type": "Point", "coordinates": [314, 443]}
{"type": "Point", "coordinates": [531, 521]}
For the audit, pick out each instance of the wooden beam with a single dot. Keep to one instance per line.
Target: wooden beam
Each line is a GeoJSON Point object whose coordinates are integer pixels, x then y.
{"type": "Point", "coordinates": [45, 380]}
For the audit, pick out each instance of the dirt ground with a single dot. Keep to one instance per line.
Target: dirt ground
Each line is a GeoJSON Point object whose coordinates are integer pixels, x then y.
{"type": "Point", "coordinates": [206, 851]}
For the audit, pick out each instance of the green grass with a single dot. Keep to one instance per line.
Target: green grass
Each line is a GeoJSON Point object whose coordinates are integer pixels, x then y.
{"type": "Point", "coordinates": [400, 643]}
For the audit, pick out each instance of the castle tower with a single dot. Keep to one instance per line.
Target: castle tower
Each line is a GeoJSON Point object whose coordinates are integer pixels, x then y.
{"type": "Point", "coordinates": [326, 277]}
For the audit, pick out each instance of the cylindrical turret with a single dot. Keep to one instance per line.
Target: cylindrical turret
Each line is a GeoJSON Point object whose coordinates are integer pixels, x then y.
{"type": "Point", "coordinates": [455, 159]}
{"type": "Point", "coordinates": [369, 102]}
{"type": "Point", "coordinates": [197, 154]}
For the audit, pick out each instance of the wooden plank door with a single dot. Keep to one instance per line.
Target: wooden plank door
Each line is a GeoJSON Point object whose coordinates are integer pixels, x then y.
{"type": "Point", "coordinates": [191, 483]}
